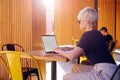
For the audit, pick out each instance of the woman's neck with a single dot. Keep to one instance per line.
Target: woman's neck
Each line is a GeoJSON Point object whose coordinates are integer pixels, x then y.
{"type": "Point", "coordinates": [89, 28]}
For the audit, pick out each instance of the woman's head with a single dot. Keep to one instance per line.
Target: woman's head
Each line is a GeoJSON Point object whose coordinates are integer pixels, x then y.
{"type": "Point", "coordinates": [87, 18]}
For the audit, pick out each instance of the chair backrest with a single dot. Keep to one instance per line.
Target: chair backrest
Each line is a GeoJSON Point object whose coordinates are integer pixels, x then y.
{"type": "Point", "coordinates": [112, 45]}
{"type": "Point", "coordinates": [13, 64]}
{"type": "Point", "coordinates": [12, 47]}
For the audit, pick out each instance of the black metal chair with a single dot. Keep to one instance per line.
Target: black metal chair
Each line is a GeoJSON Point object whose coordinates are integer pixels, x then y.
{"type": "Point", "coordinates": [27, 71]}
{"type": "Point", "coordinates": [12, 47]}
{"type": "Point", "coordinates": [112, 45]}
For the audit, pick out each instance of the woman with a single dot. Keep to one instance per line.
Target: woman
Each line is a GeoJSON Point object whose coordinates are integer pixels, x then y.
{"type": "Point", "coordinates": [92, 45]}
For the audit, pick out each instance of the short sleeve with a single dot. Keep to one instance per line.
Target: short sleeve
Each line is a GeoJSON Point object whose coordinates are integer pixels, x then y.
{"type": "Point", "coordinates": [84, 42]}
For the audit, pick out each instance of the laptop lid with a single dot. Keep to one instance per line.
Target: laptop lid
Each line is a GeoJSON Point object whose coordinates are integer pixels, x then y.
{"type": "Point", "coordinates": [49, 42]}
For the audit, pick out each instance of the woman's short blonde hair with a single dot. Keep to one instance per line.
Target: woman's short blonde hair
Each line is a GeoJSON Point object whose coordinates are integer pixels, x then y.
{"type": "Point", "coordinates": [89, 14]}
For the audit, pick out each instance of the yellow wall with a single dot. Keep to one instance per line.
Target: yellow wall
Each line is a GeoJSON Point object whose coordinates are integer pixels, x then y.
{"type": "Point", "coordinates": [106, 17]}
{"type": "Point", "coordinates": [16, 22]}
{"type": "Point", "coordinates": [65, 21]}
{"type": "Point", "coordinates": [118, 22]}
{"type": "Point", "coordinates": [66, 26]}
{"type": "Point", "coordinates": [19, 24]}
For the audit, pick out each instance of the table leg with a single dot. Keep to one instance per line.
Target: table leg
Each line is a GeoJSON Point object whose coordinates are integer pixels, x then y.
{"type": "Point", "coordinates": [53, 70]}
{"type": "Point", "coordinates": [78, 60]}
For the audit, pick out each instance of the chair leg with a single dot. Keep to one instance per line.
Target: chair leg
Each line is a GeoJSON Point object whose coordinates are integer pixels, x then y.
{"type": "Point", "coordinates": [26, 74]}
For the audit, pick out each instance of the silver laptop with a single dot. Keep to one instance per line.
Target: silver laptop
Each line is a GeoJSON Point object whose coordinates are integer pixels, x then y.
{"type": "Point", "coordinates": [49, 42]}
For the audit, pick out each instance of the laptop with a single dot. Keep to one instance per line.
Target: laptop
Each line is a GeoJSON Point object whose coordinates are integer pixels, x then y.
{"type": "Point", "coordinates": [49, 42]}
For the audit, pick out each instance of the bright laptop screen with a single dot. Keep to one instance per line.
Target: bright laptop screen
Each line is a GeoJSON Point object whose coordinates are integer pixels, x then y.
{"type": "Point", "coordinates": [49, 42]}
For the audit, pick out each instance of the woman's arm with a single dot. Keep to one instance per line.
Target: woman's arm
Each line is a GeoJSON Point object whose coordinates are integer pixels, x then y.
{"type": "Point", "coordinates": [72, 54]}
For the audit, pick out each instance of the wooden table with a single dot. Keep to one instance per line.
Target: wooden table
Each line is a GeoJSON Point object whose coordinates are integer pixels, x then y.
{"type": "Point", "coordinates": [41, 55]}
{"type": "Point", "coordinates": [117, 54]}
{"type": "Point", "coordinates": [117, 50]}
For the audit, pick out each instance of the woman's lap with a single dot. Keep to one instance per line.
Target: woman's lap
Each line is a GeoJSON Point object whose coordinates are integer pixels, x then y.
{"type": "Point", "coordinates": [85, 72]}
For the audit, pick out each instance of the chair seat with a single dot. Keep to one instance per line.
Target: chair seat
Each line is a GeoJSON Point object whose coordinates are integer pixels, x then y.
{"type": "Point", "coordinates": [25, 69]}
{"type": "Point", "coordinates": [86, 62]}
{"type": "Point", "coordinates": [30, 71]}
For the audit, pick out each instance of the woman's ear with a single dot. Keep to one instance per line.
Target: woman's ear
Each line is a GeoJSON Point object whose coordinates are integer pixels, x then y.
{"type": "Point", "coordinates": [87, 21]}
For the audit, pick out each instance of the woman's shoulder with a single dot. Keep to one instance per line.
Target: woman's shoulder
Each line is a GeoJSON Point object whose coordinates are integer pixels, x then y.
{"type": "Point", "coordinates": [91, 32]}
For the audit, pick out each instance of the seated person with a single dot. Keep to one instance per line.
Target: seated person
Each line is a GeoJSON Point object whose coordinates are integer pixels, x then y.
{"type": "Point", "coordinates": [92, 45]}
{"type": "Point", "coordinates": [107, 36]}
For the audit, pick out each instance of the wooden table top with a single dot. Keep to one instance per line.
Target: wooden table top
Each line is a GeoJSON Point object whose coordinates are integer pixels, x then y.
{"type": "Point", "coordinates": [40, 54]}
{"type": "Point", "coordinates": [117, 51]}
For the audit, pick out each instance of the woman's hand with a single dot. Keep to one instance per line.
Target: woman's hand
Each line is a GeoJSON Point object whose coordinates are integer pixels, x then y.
{"type": "Point", "coordinates": [57, 50]}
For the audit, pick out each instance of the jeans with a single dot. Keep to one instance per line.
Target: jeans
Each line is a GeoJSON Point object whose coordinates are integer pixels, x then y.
{"type": "Point", "coordinates": [100, 71]}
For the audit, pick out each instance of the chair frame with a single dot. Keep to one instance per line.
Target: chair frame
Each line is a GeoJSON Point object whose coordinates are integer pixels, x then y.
{"type": "Point", "coordinates": [115, 72]}
{"type": "Point", "coordinates": [112, 45]}
{"type": "Point", "coordinates": [13, 45]}
{"type": "Point", "coordinates": [20, 54]}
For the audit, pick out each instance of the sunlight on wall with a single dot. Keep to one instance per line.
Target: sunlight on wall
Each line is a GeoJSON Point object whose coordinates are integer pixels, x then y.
{"type": "Point", "coordinates": [48, 2]}
{"type": "Point", "coordinates": [49, 5]}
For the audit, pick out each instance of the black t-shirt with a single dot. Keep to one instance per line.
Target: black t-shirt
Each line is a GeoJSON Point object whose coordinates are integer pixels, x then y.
{"type": "Point", "coordinates": [93, 44]}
